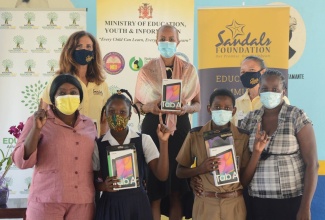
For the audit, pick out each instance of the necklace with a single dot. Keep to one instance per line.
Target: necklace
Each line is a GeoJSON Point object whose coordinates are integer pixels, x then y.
{"type": "Point", "coordinates": [169, 72]}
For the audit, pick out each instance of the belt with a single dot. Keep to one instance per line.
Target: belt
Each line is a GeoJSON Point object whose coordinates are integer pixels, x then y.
{"type": "Point", "coordinates": [232, 194]}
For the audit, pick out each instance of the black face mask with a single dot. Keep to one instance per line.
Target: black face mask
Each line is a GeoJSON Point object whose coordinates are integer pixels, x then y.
{"type": "Point", "coordinates": [83, 57]}
{"type": "Point", "coordinates": [250, 79]}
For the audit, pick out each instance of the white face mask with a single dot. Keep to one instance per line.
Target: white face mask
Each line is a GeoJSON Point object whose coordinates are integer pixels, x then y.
{"type": "Point", "coordinates": [221, 117]}
{"type": "Point", "coordinates": [270, 100]}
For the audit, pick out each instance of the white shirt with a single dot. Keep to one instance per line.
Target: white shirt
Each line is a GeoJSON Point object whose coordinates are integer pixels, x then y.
{"type": "Point", "coordinates": [149, 148]}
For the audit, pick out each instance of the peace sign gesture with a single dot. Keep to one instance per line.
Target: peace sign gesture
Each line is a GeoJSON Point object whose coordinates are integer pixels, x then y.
{"type": "Point", "coordinates": [40, 116]}
{"type": "Point", "coordinates": [163, 131]}
{"type": "Point", "coordinates": [261, 139]}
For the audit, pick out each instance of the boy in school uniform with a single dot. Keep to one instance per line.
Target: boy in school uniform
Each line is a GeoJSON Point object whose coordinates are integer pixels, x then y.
{"type": "Point", "coordinates": [218, 202]}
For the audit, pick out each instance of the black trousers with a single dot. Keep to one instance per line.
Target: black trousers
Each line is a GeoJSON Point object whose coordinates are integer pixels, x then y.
{"type": "Point", "coordinates": [275, 209]}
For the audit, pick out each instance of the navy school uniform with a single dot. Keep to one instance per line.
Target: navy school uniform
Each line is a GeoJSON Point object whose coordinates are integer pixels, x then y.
{"type": "Point", "coordinates": [128, 204]}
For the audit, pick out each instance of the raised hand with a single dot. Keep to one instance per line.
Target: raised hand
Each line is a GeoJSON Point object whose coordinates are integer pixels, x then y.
{"type": "Point", "coordinates": [210, 164]}
{"type": "Point", "coordinates": [163, 131]}
{"type": "Point", "coordinates": [111, 184]}
{"type": "Point", "coordinates": [40, 116]}
{"type": "Point", "coordinates": [261, 139]}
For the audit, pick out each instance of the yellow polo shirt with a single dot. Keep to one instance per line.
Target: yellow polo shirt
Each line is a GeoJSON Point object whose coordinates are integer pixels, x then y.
{"type": "Point", "coordinates": [244, 105]}
{"type": "Point", "coordinates": [94, 98]}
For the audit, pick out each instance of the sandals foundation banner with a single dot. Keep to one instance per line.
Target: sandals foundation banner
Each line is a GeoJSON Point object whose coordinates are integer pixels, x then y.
{"type": "Point", "coordinates": [227, 35]}
{"type": "Point", "coordinates": [127, 30]}
{"type": "Point", "coordinates": [31, 44]}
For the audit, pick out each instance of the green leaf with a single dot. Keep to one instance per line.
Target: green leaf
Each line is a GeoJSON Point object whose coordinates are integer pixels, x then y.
{"type": "Point", "coordinates": [23, 92]}
{"type": "Point", "coordinates": [25, 97]}
{"type": "Point", "coordinates": [3, 155]}
{"type": "Point", "coordinates": [22, 101]}
{"type": "Point", "coordinates": [31, 90]}
{"type": "Point", "coordinates": [30, 108]}
{"type": "Point", "coordinates": [27, 93]}
{"type": "Point", "coordinates": [27, 87]}
{"type": "Point", "coordinates": [31, 86]}
{"type": "Point", "coordinates": [26, 104]}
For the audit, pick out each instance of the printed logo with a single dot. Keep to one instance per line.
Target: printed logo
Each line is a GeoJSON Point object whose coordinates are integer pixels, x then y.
{"type": "Point", "coordinates": [7, 64]}
{"type": "Point", "coordinates": [239, 42]}
{"type": "Point", "coordinates": [41, 41]}
{"type": "Point", "coordinates": [29, 16]}
{"type": "Point", "coordinates": [297, 38]}
{"type": "Point", "coordinates": [62, 40]}
{"type": "Point", "coordinates": [236, 29]}
{"type": "Point", "coordinates": [19, 41]}
{"type": "Point", "coordinates": [113, 63]}
{"type": "Point", "coordinates": [74, 16]}
{"type": "Point", "coordinates": [145, 11]}
{"type": "Point", "coordinates": [6, 17]}
{"type": "Point", "coordinates": [52, 16]}
{"type": "Point", "coordinates": [52, 64]}
{"type": "Point", "coordinates": [29, 64]}
{"type": "Point", "coordinates": [28, 181]}
{"type": "Point", "coordinates": [31, 95]}
{"type": "Point", "coordinates": [136, 63]}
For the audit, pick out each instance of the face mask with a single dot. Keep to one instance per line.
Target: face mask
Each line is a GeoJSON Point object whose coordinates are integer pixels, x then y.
{"type": "Point", "coordinates": [221, 117]}
{"type": "Point", "coordinates": [270, 99]}
{"type": "Point", "coordinates": [67, 104]}
{"type": "Point", "coordinates": [117, 122]}
{"type": "Point", "coordinates": [83, 57]}
{"type": "Point", "coordinates": [167, 49]}
{"type": "Point", "coordinates": [250, 79]}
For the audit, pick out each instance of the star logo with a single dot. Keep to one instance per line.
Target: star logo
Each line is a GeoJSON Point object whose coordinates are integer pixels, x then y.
{"type": "Point", "coordinates": [236, 29]}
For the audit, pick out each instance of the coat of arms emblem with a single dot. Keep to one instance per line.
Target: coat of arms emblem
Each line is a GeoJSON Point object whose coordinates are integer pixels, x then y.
{"type": "Point", "coordinates": [145, 11]}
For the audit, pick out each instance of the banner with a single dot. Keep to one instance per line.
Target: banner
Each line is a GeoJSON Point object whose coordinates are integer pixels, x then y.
{"type": "Point", "coordinates": [227, 35]}
{"type": "Point", "coordinates": [31, 44]}
{"type": "Point", "coordinates": [127, 31]}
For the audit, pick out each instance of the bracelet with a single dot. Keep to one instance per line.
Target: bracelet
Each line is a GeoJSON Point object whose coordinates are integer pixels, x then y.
{"type": "Point", "coordinates": [141, 110]}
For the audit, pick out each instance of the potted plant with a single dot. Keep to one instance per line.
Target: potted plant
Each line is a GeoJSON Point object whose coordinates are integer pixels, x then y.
{"type": "Point", "coordinates": [7, 160]}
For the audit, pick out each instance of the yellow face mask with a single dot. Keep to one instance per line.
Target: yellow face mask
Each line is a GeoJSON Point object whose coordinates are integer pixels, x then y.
{"type": "Point", "coordinates": [67, 104]}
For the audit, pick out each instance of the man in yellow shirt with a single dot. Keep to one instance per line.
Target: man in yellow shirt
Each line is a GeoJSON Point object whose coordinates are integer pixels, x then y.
{"type": "Point", "coordinates": [251, 69]}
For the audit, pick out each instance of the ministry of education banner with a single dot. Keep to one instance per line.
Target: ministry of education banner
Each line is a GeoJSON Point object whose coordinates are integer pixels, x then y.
{"type": "Point", "coordinates": [126, 31]}
{"type": "Point", "coordinates": [227, 35]}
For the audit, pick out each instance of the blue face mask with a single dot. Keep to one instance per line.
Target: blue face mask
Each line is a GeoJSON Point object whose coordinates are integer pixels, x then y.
{"type": "Point", "coordinates": [83, 57]}
{"type": "Point", "coordinates": [270, 100]}
{"type": "Point", "coordinates": [221, 117]}
{"type": "Point", "coordinates": [167, 49]}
